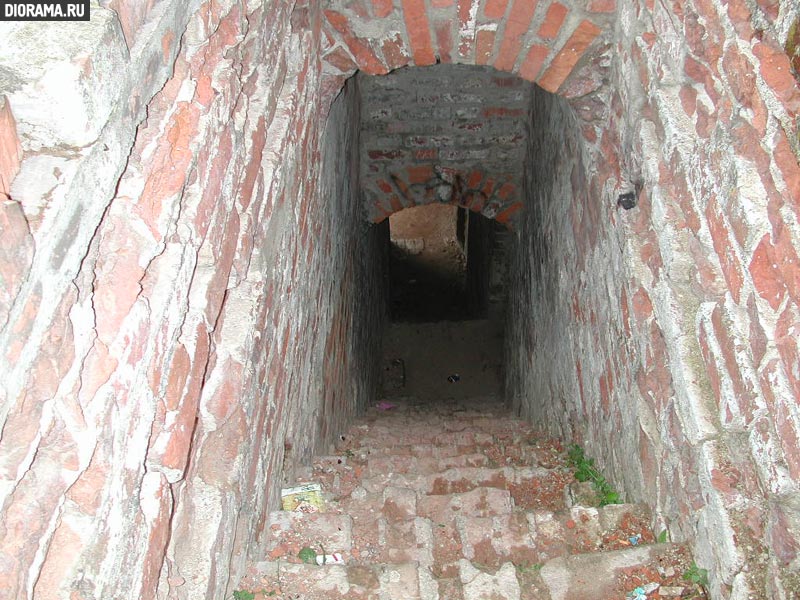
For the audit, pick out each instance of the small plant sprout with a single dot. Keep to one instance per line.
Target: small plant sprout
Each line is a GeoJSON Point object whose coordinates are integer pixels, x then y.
{"type": "Point", "coordinates": [696, 575]}
{"type": "Point", "coordinates": [586, 471]}
{"type": "Point", "coordinates": [307, 555]}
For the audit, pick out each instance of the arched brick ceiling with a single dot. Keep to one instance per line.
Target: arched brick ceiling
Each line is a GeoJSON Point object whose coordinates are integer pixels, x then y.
{"type": "Point", "coordinates": [540, 40]}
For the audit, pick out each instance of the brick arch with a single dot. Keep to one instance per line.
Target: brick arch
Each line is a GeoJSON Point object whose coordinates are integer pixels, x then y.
{"type": "Point", "coordinates": [474, 190]}
{"type": "Point", "coordinates": [542, 41]}
{"type": "Point", "coordinates": [559, 47]}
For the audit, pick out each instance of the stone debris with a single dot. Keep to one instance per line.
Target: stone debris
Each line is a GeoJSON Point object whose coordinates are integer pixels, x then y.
{"type": "Point", "coordinates": [419, 509]}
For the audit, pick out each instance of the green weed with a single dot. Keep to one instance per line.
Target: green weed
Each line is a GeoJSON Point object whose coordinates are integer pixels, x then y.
{"type": "Point", "coordinates": [241, 595]}
{"type": "Point", "coordinates": [528, 569]}
{"type": "Point", "coordinates": [308, 555]}
{"type": "Point", "coordinates": [586, 471]}
{"type": "Point", "coordinates": [696, 575]}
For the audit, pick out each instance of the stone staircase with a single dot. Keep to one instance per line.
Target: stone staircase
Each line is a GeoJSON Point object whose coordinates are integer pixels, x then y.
{"type": "Point", "coordinates": [459, 501]}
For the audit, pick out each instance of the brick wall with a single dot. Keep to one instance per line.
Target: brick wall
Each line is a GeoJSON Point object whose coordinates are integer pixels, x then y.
{"type": "Point", "coordinates": [674, 365]}
{"type": "Point", "coordinates": [444, 134]}
{"type": "Point", "coordinates": [188, 292]}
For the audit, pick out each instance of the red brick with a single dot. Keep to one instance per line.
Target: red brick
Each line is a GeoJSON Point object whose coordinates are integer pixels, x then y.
{"type": "Point", "coordinates": [777, 72]}
{"type": "Point", "coordinates": [507, 190]}
{"type": "Point", "coordinates": [395, 202]}
{"type": "Point", "coordinates": [787, 337]}
{"type": "Point", "coordinates": [785, 426]}
{"type": "Point", "coordinates": [395, 52]}
{"type": "Point", "coordinates": [766, 276]}
{"type": "Point", "coordinates": [474, 179]}
{"type": "Point", "coordinates": [502, 111]}
{"type": "Point", "coordinates": [787, 259]}
{"type": "Point", "coordinates": [642, 306]}
{"type": "Point", "coordinates": [770, 8]}
{"type": "Point", "coordinates": [625, 310]}
{"type": "Point", "coordinates": [485, 41]}
{"type": "Point", "coordinates": [420, 174]}
{"type": "Point", "coordinates": [426, 154]}
{"type": "Point", "coordinates": [444, 41]}
{"type": "Point", "coordinates": [742, 79]}
{"type": "Point", "coordinates": [382, 8]}
{"type": "Point", "coordinates": [787, 163]}
{"type": "Point", "coordinates": [724, 247]}
{"type": "Point", "coordinates": [466, 38]}
{"type": "Point", "coordinates": [495, 9]}
{"type": "Point", "coordinates": [743, 391]}
{"type": "Point", "coordinates": [359, 7]}
{"type": "Point", "coordinates": [602, 6]}
{"type": "Point", "coordinates": [532, 64]}
{"type": "Point", "coordinates": [568, 57]}
{"type": "Point", "coordinates": [553, 20]}
{"type": "Point", "coordinates": [506, 215]}
{"type": "Point", "coordinates": [341, 59]}
{"type": "Point", "coordinates": [688, 95]}
{"type": "Point", "coordinates": [441, 3]}
{"type": "Point", "coordinates": [518, 22]}
{"type": "Point", "coordinates": [361, 50]}
{"type": "Point", "coordinates": [10, 149]}
{"type": "Point", "coordinates": [415, 17]}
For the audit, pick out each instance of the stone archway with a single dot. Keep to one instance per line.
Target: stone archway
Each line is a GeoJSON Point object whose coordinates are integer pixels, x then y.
{"type": "Point", "coordinates": [540, 42]}
{"type": "Point", "coordinates": [562, 50]}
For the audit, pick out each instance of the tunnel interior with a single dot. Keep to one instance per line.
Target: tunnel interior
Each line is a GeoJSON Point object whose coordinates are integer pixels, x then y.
{"type": "Point", "coordinates": [196, 259]}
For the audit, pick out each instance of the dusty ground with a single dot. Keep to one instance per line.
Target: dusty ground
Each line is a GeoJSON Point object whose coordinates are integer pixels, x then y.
{"type": "Point", "coordinates": [432, 352]}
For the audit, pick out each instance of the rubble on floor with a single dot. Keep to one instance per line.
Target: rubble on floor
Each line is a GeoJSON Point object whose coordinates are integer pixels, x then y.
{"type": "Point", "coordinates": [459, 501]}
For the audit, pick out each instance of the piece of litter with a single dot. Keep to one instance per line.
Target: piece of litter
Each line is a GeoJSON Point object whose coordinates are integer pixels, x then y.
{"type": "Point", "coordinates": [303, 498]}
{"type": "Point", "coordinates": [330, 559]}
{"type": "Point", "coordinates": [454, 378]}
{"type": "Point", "coordinates": [637, 594]}
{"type": "Point", "coordinates": [384, 405]}
{"type": "Point", "coordinates": [634, 540]}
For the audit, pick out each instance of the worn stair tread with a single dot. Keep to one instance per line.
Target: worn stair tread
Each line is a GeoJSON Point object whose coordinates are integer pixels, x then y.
{"type": "Point", "coordinates": [292, 531]}
{"type": "Point", "coordinates": [600, 575]}
{"type": "Point", "coordinates": [456, 502]}
{"type": "Point", "coordinates": [335, 582]}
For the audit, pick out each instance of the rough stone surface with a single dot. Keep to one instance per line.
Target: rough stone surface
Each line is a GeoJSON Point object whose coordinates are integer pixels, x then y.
{"type": "Point", "coordinates": [192, 323]}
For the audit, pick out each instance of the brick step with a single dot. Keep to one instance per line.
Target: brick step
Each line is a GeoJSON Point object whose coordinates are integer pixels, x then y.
{"type": "Point", "coordinates": [400, 503]}
{"type": "Point", "coordinates": [599, 576]}
{"type": "Point", "coordinates": [530, 487]}
{"type": "Point", "coordinates": [613, 575]}
{"type": "Point", "coordinates": [284, 581]}
{"type": "Point", "coordinates": [489, 423]}
{"type": "Point", "coordinates": [393, 532]}
{"type": "Point", "coordinates": [499, 453]}
{"type": "Point", "coordinates": [292, 531]}
{"type": "Point", "coordinates": [416, 436]}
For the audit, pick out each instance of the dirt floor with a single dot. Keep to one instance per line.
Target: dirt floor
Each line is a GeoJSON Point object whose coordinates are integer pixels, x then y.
{"type": "Point", "coordinates": [420, 357]}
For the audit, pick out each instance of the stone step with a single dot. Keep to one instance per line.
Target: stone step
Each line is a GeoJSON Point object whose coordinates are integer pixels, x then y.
{"type": "Point", "coordinates": [292, 531]}
{"type": "Point", "coordinates": [271, 579]}
{"type": "Point", "coordinates": [531, 487]}
{"type": "Point", "coordinates": [382, 464]}
{"type": "Point", "coordinates": [430, 424]}
{"type": "Point", "coordinates": [414, 436]}
{"type": "Point", "coordinates": [587, 529]}
{"type": "Point", "coordinates": [613, 575]}
{"type": "Point", "coordinates": [480, 502]}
